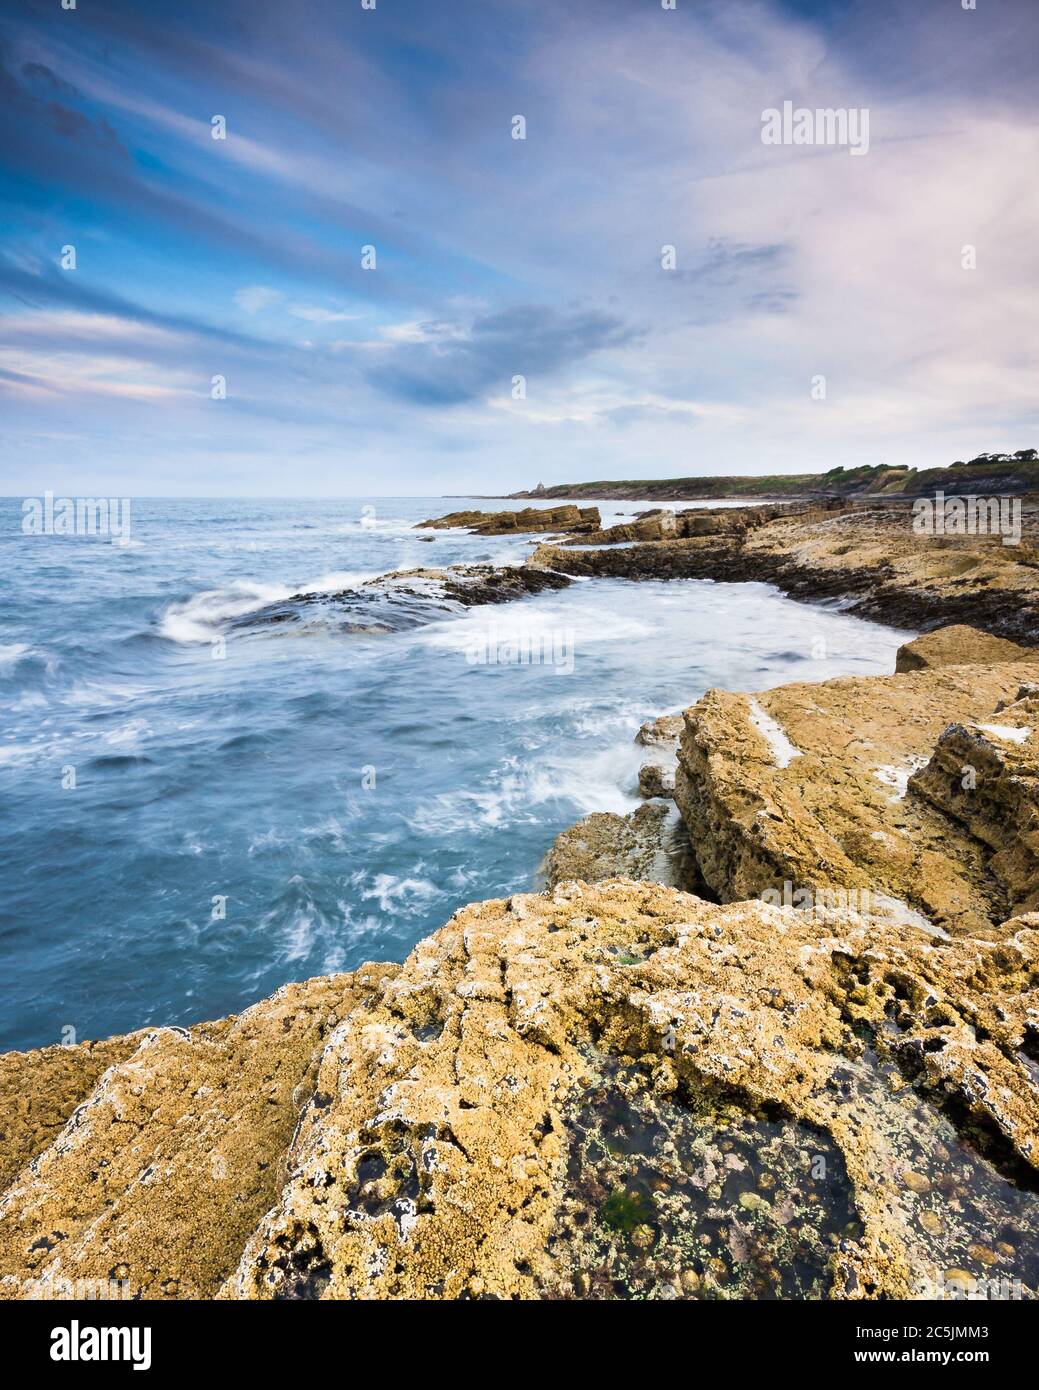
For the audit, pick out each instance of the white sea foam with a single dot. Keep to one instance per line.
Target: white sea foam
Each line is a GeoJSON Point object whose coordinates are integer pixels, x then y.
{"type": "Point", "coordinates": [334, 582]}
{"type": "Point", "coordinates": [205, 615]}
{"type": "Point", "coordinates": [589, 784]}
{"type": "Point", "coordinates": [513, 625]}
{"type": "Point", "coordinates": [12, 652]}
{"type": "Point", "coordinates": [783, 751]}
{"type": "Point", "coordinates": [378, 526]}
{"type": "Point", "coordinates": [1006, 731]}
{"type": "Point", "coordinates": [270, 839]}
{"type": "Point", "coordinates": [592, 720]}
{"type": "Point", "coordinates": [298, 936]}
{"type": "Point", "coordinates": [295, 922]}
{"type": "Point", "coordinates": [898, 777]}
{"type": "Point", "coordinates": [898, 911]}
{"type": "Point", "coordinates": [129, 733]}
{"type": "Point", "coordinates": [515, 793]}
{"type": "Point", "coordinates": [102, 694]}
{"type": "Point", "coordinates": [397, 894]}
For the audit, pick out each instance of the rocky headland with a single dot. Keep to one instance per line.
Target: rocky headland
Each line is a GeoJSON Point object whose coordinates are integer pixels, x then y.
{"type": "Point", "coordinates": [774, 1034]}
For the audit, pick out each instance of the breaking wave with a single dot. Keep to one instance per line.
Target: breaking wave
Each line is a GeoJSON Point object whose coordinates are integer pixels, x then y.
{"type": "Point", "coordinates": [206, 615]}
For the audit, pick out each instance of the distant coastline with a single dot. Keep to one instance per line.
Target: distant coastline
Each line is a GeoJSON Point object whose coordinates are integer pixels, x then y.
{"type": "Point", "coordinates": [994, 473]}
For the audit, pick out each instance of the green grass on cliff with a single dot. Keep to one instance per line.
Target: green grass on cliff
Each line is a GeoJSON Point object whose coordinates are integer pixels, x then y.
{"type": "Point", "coordinates": [983, 475]}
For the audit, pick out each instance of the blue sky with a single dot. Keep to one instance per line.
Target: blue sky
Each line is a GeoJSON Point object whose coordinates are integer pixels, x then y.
{"type": "Point", "coordinates": [496, 257]}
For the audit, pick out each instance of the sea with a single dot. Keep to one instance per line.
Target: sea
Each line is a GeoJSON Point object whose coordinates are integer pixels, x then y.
{"type": "Point", "coordinates": [209, 787]}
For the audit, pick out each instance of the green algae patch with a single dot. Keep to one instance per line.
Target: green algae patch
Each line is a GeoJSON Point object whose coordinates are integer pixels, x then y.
{"type": "Point", "coordinates": [625, 1211]}
{"type": "Point", "coordinates": [682, 1196]}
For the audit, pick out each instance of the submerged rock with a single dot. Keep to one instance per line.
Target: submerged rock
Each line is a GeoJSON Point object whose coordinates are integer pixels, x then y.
{"type": "Point", "coordinates": [405, 598]}
{"type": "Point", "coordinates": [669, 1194]}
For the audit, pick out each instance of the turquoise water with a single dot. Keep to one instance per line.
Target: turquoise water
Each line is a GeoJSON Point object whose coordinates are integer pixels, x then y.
{"type": "Point", "coordinates": [255, 803]}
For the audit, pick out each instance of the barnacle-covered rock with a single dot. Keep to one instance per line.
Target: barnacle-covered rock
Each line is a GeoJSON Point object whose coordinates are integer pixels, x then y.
{"type": "Point", "coordinates": [606, 1091]}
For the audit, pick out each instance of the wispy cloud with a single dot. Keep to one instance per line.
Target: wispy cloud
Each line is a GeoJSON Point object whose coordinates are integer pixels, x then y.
{"type": "Point", "coordinates": [446, 363]}
{"type": "Point", "coordinates": [253, 298]}
{"type": "Point", "coordinates": [498, 258]}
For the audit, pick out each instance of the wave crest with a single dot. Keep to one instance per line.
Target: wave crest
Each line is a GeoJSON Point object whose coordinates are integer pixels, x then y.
{"type": "Point", "coordinates": [206, 615]}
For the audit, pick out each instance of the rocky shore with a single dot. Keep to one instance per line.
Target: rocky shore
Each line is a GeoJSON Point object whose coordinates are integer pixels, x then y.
{"type": "Point", "coordinates": [605, 1091]}
{"type": "Point", "coordinates": [868, 557]}
{"type": "Point", "coordinates": [567, 518]}
{"type": "Point", "coordinates": [405, 598]}
{"type": "Point", "coordinates": [775, 1034]}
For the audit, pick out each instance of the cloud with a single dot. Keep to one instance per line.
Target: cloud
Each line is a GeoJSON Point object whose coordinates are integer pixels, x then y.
{"type": "Point", "coordinates": [448, 364]}
{"type": "Point", "coordinates": [253, 298]}
{"type": "Point", "coordinates": [590, 405]}
{"type": "Point", "coordinates": [95, 374]}
{"type": "Point", "coordinates": [32, 71]}
{"type": "Point", "coordinates": [34, 285]}
{"type": "Point", "coordinates": [68, 325]}
{"type": "Point", "coordinates": [499, 258]}
{"type": "Point", "coordinates": [311, 313]}
{"type": "Point", "coordinates": [65, 118]}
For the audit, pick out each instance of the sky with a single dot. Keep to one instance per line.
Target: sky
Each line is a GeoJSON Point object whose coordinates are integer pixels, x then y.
{"type": "Point", "coordinates": [220, 333]}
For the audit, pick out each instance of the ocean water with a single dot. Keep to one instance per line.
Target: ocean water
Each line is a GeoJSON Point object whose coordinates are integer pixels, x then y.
{"type": "Point", "coordinates": [199, 804]}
